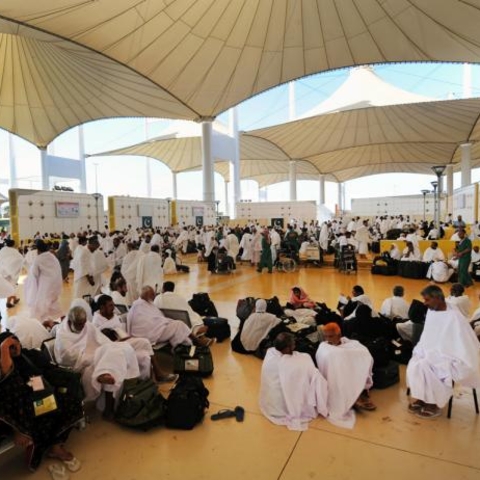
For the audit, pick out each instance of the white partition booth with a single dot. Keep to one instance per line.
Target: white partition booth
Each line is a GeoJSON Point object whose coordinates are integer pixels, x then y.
{"type": "Point", "coordinates": [44, 211]}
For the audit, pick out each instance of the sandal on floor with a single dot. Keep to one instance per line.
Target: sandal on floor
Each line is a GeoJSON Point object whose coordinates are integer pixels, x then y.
{"type": "Point", "coordinates": [58, 472]}
{"type": "Point", "coordinates": [415, 407]}
{"type": "Point", "coordinates": [424, 413]}
{"type": "Point", "coordinates": [367, 406]}
{"type": "Point", "coordinates": [10, 305]}
{"type": "Point", "coordinates": [74, 465]}
{"type": "Point", "coordinates": [239, 413]}
{"type": "Point", "coordinates": [223, 414]}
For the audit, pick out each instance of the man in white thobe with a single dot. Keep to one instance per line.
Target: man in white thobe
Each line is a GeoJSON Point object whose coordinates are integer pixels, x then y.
{"type": "Point", "coordinates": [83, 269]}
{"type": "Point", "coordinates": [232, 245]}
{"type": "Point", "coordinates": [11, 262]}
{"type": "Point", "coordinates": [292, 391]}
{"type": "Point", "coordinates": [347, 366]}
{"type": "Point", "coordinates": [439, 272]}
{"type": "Point", "coordinates": [129, 272]}
{"type": "Point", "coordinates": [433, 254]}
{"type": "Point", "coordinates": [44, 284]}
{"type": "Point", "coordinates": [105, 318]}
{"type": "Point", "coordinates": [29, 331]}
{"type": "Point", "coordinates": [448, 351]}
{"type": "Point", "coordinates": [257, 326]}
{"type": "Point", "coordinates": [103, 364]}
{"type": "Point", "coordinates": [396, 306]}
{"type": "Point", "coordinates": [362, 236]}
{"type": "Point", "coordinates": [145, 320]}
{"type": "Point", "coordinates": [149, 269]}
{"type": "Point", "coordinates": [181, 243]}
{"type": "Point", "coordinates": [173, 301]}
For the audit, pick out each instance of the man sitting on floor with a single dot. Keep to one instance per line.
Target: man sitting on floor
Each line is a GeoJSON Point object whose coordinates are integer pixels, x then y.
{"type": "Point", "coordinates": [440, 272]}
{"type": "Point", "coordinates": [396, 306]}
{"type": "Point", "coordinates": [104, 365]}
{"type": "Point", "coordinates": [145, 320]}
{"type": "Point", "coordinates": [447, 352]}
{"type": "Point", "coordinates": [433, 253]}
{"type": "Point", "coordinates": [173, 301]}
{"type": "Point", "coordinates": [105, 318]}
{"type": "Point", "coordinates": [256, 327]}
{"type": "Point", "coordinates": [292, 390]}
{"type": "Point", "coordinates": [347, 367]}
{"type": "Point", "coordinates": [459, 299]}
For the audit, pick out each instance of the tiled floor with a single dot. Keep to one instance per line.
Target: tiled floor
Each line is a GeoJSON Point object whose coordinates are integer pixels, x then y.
{"type": "Point", "coordinates": [388, 443]}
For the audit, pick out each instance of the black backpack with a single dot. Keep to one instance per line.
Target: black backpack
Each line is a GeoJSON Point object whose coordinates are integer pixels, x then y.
{"type": "Point", "coordinates": [141, 405]}
{"type": "Point", "coordinates": [274, 307]}
{"type": "Point", "coordinates": [245, 307]}
{"type": "Point", "coordinates": [203, 305]}
{"type": "Point", "coordinates": [186, 403]}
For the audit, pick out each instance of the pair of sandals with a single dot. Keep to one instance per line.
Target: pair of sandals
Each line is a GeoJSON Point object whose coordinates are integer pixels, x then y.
{"type": "Point", "coordinates": [420, 410]}
{"type": "Point", "coordinates": [365, 404]}
{"type": "Point", "coordinates": [238, 413]}
{"type": "Point", "coordinates": [60, 472]}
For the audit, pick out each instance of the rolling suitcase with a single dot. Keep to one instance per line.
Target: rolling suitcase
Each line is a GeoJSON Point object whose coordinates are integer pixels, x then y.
{"type": "Point", "coordinates": [191, 360]}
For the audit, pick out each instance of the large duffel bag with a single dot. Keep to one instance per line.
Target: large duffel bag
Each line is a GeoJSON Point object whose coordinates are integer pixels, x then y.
{"type": "Point", "coordinates": [387, 270]}
{"type": "Point", "coordinates": [412, 269]}
{"type": "Point", "coordinates": [245, 307]}
{"type": "Point", "coordinates": [217, 328]}
{"type": "Point", "coordinates": [192, 360]}
{"type": "Point", "coordinates": [203, 305]}
{"type": "Point", "coordinates": [386, 376]}
{"type": "Point", "coordinates": [186, 403]}
{"type": "Point", "coordinates": [141, 405]}
{"type": "Point", "coordinates": [380, 349]}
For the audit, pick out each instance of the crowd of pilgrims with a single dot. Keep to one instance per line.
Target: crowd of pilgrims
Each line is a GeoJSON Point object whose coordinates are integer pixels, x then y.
{"type": "Point", "coordinates": [317, 359]}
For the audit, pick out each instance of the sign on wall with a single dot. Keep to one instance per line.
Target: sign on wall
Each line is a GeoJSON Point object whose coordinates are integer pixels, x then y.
{"type": "Point", "coordinates": [67, 209]}
{"type": "Point", "coordinates": [198, 212]}
{"type": "Point", "coordinates": [147, 222]}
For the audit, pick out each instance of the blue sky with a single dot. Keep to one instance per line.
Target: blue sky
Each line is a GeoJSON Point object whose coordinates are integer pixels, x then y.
{"type": "Point", "coordinates": [127, 175]}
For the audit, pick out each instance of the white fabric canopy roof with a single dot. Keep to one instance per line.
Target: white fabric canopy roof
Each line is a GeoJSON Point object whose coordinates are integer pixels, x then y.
{"type": "Point", "coordinates": [343, 146]}
{"type": "Point", "coordinates": [194, 59]}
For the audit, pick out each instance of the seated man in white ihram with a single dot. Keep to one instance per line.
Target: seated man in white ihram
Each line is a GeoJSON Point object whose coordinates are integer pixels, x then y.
{"type": "Point", "coordinates": [29, 331]}
{"type": "Point", "coordinates": [347, 366]}
{"type": "Point", "coordinates": [145, 320]}
{"type": "Point", "coordinates": [439, 272]}
{"type": "Point", "coordinates": [448, 351]}
{"type": "Point", "coordinates": [173, 301]}
{"type": "Point", "coordinates": [292, 390]}
{"type": "Point", "coordinates": [104, 364]}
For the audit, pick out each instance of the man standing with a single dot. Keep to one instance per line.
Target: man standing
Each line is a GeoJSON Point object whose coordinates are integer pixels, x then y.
{"type": "Point", "coordinates": [266, 255]}
{"type": "Point", "coordinates": [149, 269]}
{"type": "Point", "coordinates": [463, 253]}
{"type": "Point", "coordinates": [83, 280]}
{"type": "Point", "coordinates": [43, 285]}
{"type": "Point", "coordinates": [11, 262]}
{"type": "Point", "coordinates": [129, 272]}
{"type": "Point", "coordinates": [363, 238]}
{"type": "Point", "coordinates": [446, 353]}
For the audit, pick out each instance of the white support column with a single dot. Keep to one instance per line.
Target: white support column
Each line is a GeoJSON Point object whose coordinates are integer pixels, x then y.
{"type": "Point", "coordinates": [449, 182]}
{"type": "Point", "coordinates": [12, 161]}
{"type": "Point", "coordinates": [227, 206]}
{"type": "Point", "coordinates": [235, 165]}
{"type": "Point", "coordinates": [466, 164]}
{"type": "Point", "coordinates": [340, 196]}
{"type": "Point", "coordinates": [207, 162]}
{"type": "Point", "coordinates": [321, 188]}
{"type": "Point", "coordinates": [292, 174]}
{"type": "Point", "coordinates": [81, 154]}
{"type": "Point", "coordinates": [174, 184]}
{"type": "Point", "coordinates": [44, 167]}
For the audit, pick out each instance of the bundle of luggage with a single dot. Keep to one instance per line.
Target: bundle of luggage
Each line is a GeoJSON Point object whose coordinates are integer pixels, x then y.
{"type": "Point", "coordinates": [142, 407]}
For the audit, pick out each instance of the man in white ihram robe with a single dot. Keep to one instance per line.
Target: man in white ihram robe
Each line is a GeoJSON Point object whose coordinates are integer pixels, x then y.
{"type": "Point", "coordinates": [103, 364]}
{"type": "Point", "coordinates": [448, 351]}
{"type": "Point", "coordinates": [347, 367]}
{"type": "Point", "coordinates": [292, 391]}
{"type": "Point", "coordinates": [44, 284]}
{"type": "Point", "coordinates": [129, 272]}
{"type": "Point", "coordinates": [105, 317]}
{"type": "Point", "coordinates": [146, 321]}
{"type": "Point", "coordinates": [29, 331]}
{"type": "Point", "coordinates": [11, 262]}
{"type": "Point", "coordinates": [149, 269]}
{"type": "Point", "coordinates": [232, 245]}
{"type": "Point", "coordinates": [362, 236]}
{"type": "Point", "coordinates": [83, 270]}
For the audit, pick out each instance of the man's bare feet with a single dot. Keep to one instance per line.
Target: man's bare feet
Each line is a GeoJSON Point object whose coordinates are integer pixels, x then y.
{"type": "Point", "coordinates": [21, 440]}
{"type": "Point", "coordinates": [106, 379]}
